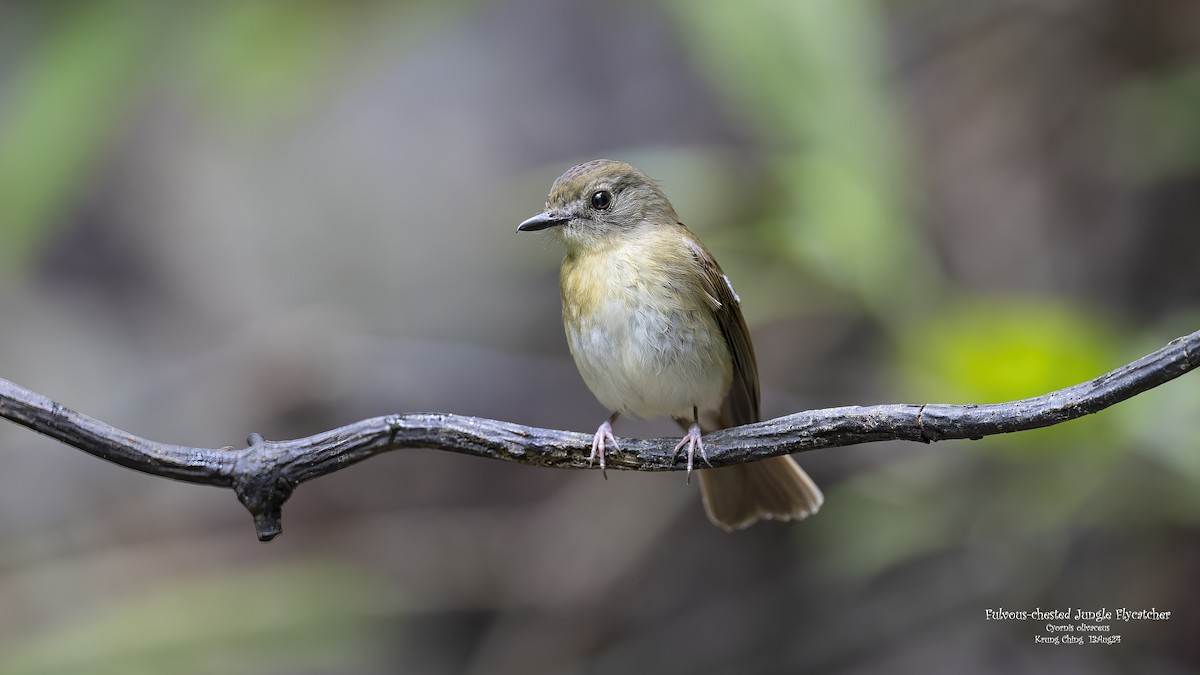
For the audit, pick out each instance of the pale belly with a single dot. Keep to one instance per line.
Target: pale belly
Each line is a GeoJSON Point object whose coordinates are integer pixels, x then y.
{"type": "Point", "coordinates": [651, 363]}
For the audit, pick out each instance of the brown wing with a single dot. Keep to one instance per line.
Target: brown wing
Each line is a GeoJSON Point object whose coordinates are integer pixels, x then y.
{"type": "Point", "coordinates": [741, 405]}
{"type": "Point", "coordinates": [777, 487]}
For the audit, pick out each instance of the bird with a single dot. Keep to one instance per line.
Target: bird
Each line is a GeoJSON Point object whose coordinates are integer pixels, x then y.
{"type": "Point", "coordinates": [656, 330]}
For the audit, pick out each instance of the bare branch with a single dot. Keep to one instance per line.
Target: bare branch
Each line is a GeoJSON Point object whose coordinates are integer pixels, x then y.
{"type": "Point", "coordinates": [264, 473]}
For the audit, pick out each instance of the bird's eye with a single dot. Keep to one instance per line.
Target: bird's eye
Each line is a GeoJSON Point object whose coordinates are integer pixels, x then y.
{"type": "Point", "coordinates": [601, 199]}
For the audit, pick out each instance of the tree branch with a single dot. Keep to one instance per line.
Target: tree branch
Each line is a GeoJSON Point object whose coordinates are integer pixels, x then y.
{"type": "Point", "coordinates": [264, 474]}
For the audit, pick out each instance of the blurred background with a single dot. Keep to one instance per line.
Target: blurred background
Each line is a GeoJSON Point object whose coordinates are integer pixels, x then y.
{"type": "Point", "coordinates": [231, 217]}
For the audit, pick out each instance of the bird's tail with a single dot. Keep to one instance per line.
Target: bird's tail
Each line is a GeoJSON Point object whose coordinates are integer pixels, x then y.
{"type": "Point", "coordinates": [775, 488]}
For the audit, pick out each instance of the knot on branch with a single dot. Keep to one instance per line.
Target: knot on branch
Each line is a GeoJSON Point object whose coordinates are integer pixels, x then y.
{"type": "Point", "coordinates": [261, 487]}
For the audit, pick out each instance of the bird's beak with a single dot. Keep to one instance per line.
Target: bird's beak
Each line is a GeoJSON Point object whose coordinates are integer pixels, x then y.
{"type": "Point", "coordinates": [543, 220]}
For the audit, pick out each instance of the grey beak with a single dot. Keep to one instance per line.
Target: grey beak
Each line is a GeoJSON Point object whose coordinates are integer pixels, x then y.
{"type": "Point", "coordinates": [543, 220]}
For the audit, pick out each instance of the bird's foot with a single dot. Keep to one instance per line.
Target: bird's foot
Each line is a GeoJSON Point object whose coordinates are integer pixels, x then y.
{"type": "Point", "coordinates": [694, 444]}
{"type": "Point", "coordinates": [603, 435]}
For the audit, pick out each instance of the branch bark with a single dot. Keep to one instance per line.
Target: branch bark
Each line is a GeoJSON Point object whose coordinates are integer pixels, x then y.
{"type": "Point", "coordinates": [264, 473]}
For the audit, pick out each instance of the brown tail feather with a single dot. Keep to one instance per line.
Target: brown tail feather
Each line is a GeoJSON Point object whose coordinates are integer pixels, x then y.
{"type": "Point", "coordinates": [775, 488]}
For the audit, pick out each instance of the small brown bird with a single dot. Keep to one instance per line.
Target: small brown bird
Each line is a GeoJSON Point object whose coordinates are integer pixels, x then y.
{"type": "Point", "coordinates": [656, 330]}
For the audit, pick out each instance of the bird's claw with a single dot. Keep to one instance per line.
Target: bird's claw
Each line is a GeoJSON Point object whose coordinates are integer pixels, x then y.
{"type": "Point", "coordinates": [603, 435]}
{"type": "Point", "coordinates": [694, 444]}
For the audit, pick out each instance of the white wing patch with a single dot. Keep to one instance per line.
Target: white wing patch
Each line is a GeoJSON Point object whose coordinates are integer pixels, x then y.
{"type": "Point", "coordinates": [700, 256]}
{"type": "Point", "coordinates": [729, 283]}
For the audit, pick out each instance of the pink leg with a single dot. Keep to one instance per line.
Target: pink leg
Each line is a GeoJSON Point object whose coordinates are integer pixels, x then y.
{"type": "Point", "coordinates": [603, 434]}
{"type": "Point", "coordinates": [694, 443]}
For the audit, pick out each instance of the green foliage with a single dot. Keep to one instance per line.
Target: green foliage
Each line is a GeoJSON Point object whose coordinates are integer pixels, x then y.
{"type": "Point", "coordinates": [986, 350]}
{"type": "Point", "coordinates": [264, 57]}
{"type": "Point", "coordinates": [76, 88]}
{"type": "Point", "coordinates": [866, 505]}
{"type": "Point", "coordinates": [1159, 118]}
{"type": "Point", "coordinates": [989, 350]}
{"type": "Point", "coordinates": [1162, 426]}
{"type": "Point", "coordinates": [58, 112]}
{"type": "Point", "coordinates": [808, 77]}
{"type": "Point", "coordinates": [304, 617]}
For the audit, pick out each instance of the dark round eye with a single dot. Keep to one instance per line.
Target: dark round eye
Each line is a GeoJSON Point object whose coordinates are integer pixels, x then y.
{"type": "Point", "coordinates": [601, 200]}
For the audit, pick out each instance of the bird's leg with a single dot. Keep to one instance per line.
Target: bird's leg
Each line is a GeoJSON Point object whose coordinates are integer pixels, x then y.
{"type": "Point", "coordinates": [603, 434]}
{"type": "Point", "coordinates": [693, 442]}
